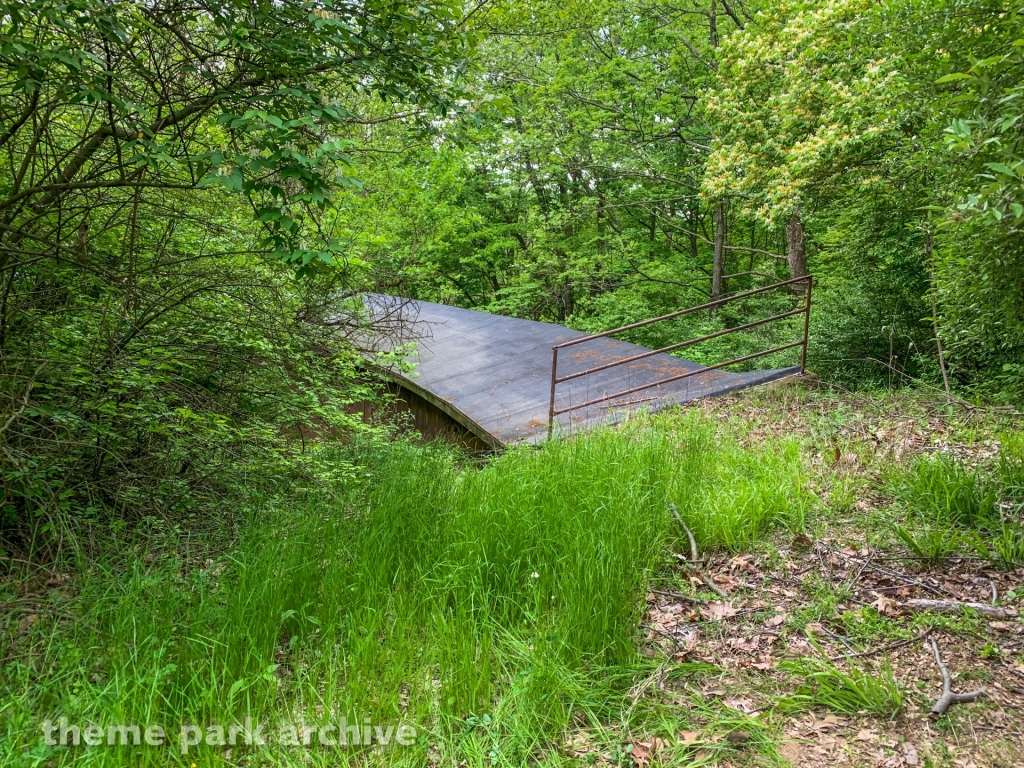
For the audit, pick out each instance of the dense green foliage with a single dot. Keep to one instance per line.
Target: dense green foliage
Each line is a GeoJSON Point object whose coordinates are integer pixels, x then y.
{"type": "Point", "coordinates": [192, 195]}
{"type": "Point", "coordinates": [895, 129]}
{"type": "Point", "coordinates": [612, 134]}
{"type": "Point", "coordinates": [196, 195]}
{"type": "Point", "coordinates": [172, 302]}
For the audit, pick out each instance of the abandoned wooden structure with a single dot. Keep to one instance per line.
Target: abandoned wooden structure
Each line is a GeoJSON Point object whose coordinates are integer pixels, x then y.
{"type": "Point", "coordinates": [488, 381]}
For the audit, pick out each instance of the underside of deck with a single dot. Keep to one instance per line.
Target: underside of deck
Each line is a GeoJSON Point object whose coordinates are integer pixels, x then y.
{"type": "Point", "coordinates": [492, 374]}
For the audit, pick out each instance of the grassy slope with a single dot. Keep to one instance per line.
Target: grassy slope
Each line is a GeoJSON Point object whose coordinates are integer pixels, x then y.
{"type": "Point", "coordinates": [505, 612]}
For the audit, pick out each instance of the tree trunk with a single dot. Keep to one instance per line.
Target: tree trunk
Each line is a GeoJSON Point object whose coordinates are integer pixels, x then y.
{"type": "Point", "coordinates": [694, 224]}
{"type": "Point", "coordinates": [929, 244]}
{"type": "Point", "coordinates": [796, 251]}
{"type": "Point", "coordinates": [713, 25]}
{"type": "Point", "coordinates": [718, 267]}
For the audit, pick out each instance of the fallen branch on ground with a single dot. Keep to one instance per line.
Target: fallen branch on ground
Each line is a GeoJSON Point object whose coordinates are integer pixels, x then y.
{"type": "Point", "coordinates": [883, 649]}
{"type": "Point", "coordinates": [679, 596]}
{"type": "Point", "coordinates": [693, 555]}
{"type": "Point", "coordinates": [689, 534]}
{"type": "Point", "coordinates": [954, 606]}
{"type": "Point", "coordinates": [948, 697]}
{"type": "Point", "coordinates": [888, 572]}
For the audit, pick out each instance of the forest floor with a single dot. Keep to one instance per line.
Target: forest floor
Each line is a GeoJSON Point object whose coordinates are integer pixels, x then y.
{"type": "Point", "coordinates": [841, 601]}
{"type": "Point", "coordinates": [794, 637]}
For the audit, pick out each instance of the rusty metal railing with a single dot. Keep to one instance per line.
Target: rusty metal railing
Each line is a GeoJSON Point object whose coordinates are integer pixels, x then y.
{"type": "Point", "coordinates": [805, 310]}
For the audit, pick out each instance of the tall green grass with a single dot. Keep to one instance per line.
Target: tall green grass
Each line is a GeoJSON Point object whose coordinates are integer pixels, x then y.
{"type": "Point", "coordinates": [942, 489]}
{"type": "Point", "coordinates": [947, 505]}
{"type": "Point", "coordinates": [431, 593]}
{"type": "Point", "coordinates": [1011, 465]}
{"type": "Point", "coordinates": [852, 691]}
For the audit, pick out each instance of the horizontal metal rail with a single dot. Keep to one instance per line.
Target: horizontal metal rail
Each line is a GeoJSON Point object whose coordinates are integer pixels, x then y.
{"type": "Point", "coordinates": [681, 312]}
{"type": "Point", "coordinates": [805, 310]}
{"type": "Point", "coordinates": [680, 345]}
{"type": "Point", "coordinates": [686, 375]}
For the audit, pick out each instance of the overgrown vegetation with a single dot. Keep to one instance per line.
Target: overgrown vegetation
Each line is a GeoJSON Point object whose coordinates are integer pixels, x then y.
{"type": "Point", "coordinates": [950, 505]}
{"type": "Point", "coordinates": [634, 157]}
{"type": "Point", "coordinates": [850, 692]}
{"type": "Point", "coordinates": [198, 526]}
{"type": "Point", "coordinates": [174, 304]}
{"type": "Point", "coordinates": [498, 608]}
{"type": "Point", "coordinates": [194, 196]}
{"type": "Point", "coordinates": [432, 593]}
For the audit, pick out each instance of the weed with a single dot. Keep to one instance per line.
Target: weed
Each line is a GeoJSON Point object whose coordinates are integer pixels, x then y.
{"type": "Point", "coordinates": [1004, 548]}
{"type": "Point", "coordinates": [939, 489]}
{"type": "Point", "coordinates": [844, 495]}
{"type": "Point", "coordinates": [866, 625]}
{"type": "Point", "coordinates": [931, 544]}
{"type": "Point", "coordinates": [851, 692]}
{"type": "Point", "coordinates": [731, 495]}
{"type": "Point", "coordinates": [1011, 465]}
{"type": "Point", "coordinates": [823, 602]}
{"type": "Point", "coordinates": [991, 651]}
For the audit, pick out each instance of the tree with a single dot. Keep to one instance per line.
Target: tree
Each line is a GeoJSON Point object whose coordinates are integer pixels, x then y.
{"type": "Point", "coordinates": [825, 108]}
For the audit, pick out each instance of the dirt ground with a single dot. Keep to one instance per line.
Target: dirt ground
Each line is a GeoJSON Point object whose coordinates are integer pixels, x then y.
{"type": "Point", "coordinates": [846, 592]}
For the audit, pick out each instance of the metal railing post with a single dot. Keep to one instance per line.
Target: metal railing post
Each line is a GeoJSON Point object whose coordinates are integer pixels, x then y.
{"type": "Point", "coordinates": [554, 380]}
{"type": "Point", "coordinates": [807, 326]}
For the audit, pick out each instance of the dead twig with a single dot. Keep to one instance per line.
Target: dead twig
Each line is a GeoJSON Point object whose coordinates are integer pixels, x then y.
{"type": "Point", "coordinates": [894, 574]}
{"type": "Point", "coordinates": [693, 555]}
{"type": "Point", "coordinates": [883, 649]}
{"type": "Point", "coordinates": [653, 680]}
{"type": "Point", "coordinates": [711, 585]}
{"type": "Point", "coordinates": [860, 570]}
{"type": "Point", "coordinates": [689, 534]}
{"type": "Point", "coordinates": [679, 596]}
{"type": "Point", "coordinates": [948, 697]}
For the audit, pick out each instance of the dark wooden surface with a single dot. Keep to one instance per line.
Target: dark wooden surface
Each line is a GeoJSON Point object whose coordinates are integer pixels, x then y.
{"type": "Point", "coordinates": [409, 410]}
{"type": "Point", "coordinates": [493, 373]}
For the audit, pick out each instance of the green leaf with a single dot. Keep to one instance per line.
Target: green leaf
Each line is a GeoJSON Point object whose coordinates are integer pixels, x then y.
{"type": "Point", "coordinates": [1001, 168]}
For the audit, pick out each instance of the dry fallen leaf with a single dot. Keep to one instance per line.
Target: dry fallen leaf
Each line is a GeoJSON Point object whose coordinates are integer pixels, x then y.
{"type": "Point", "coordinates": [1006, 626]}
{"type": "Point", "coordinates": [58, 580]}
{"type": "Point", "coordinates": [580, 744]}
{"type": "Point", "coordinates": [641, 753]}
{"type": "Point", "coordinates": [718, 610]}
{"type": "Point", "coordinates": [802, 541]}
{"type": "Point", "coordinates": [886, 606]}
{"type": "Point", "coordinates": [827, 723]}
{"type": "Point", "coordinates": [743, 705]}
{"type": "Point", "coordinates": [791, 750]}
{"type": "Point", "coordinates": [742, 563]}
{"type": "Point", "coordinates": [659, 744]}
{"type": "Point", "coordinates": [776, 620]}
